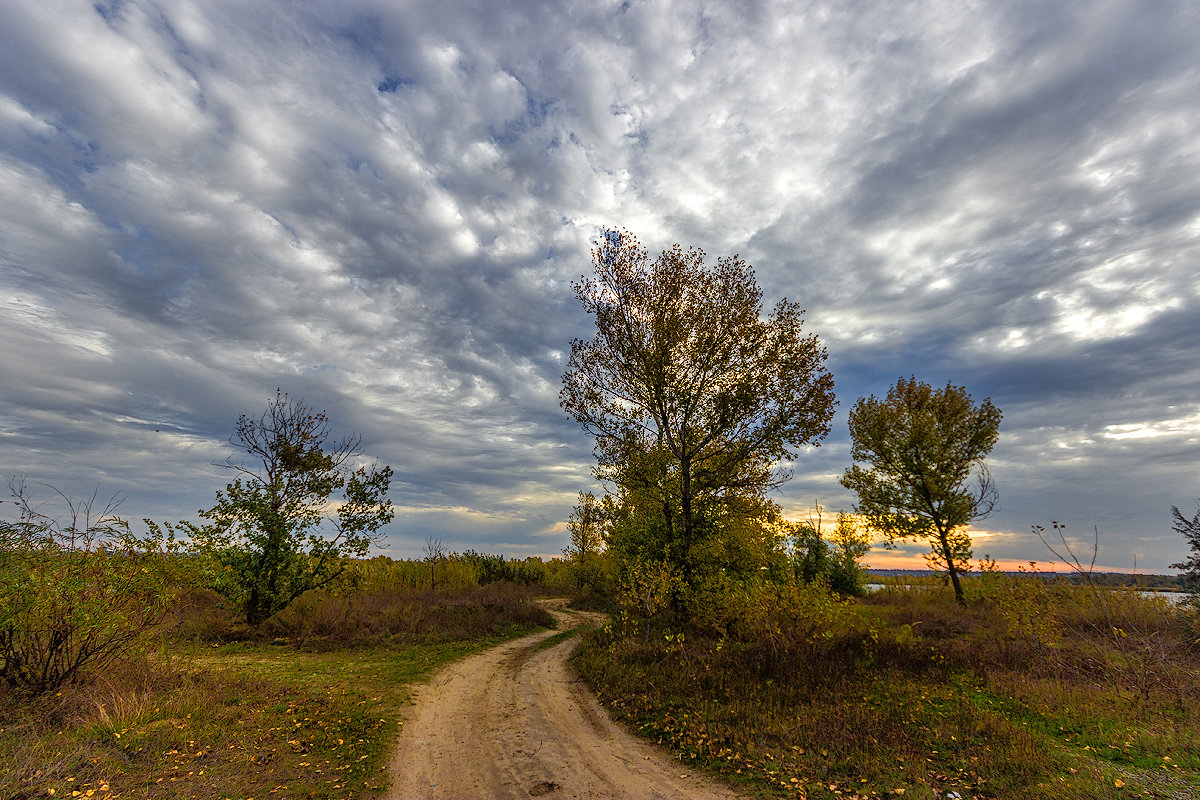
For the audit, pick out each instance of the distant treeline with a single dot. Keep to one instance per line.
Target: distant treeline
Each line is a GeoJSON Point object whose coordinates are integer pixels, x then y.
{"type": "Point", "coordinates": [1111, 579]}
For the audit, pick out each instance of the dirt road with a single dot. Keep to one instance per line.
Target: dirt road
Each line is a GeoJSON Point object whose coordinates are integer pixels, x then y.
{"type": "Point", "coordinates": [513, 722]}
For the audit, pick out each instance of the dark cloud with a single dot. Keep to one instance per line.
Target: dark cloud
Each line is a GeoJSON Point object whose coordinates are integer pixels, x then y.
{"type": "Point", "coordinates": [380, 209]}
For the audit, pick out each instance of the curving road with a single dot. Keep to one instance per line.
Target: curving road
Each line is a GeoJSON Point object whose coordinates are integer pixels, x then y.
{"type": "Point", "coordinates": [514, 722]}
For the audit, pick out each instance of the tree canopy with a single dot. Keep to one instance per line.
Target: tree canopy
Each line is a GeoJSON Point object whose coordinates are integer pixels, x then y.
{"type": "Point", "coordinates": [693, 395]}
{"type": "Point", "coordinates": [926, 476]}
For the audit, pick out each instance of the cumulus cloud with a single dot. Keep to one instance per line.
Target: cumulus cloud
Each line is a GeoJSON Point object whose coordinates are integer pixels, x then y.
{"type": "Point", "coordinates": [380, 208]}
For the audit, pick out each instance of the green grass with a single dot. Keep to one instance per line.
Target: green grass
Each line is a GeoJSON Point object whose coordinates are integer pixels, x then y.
{"type": "Point", "coordinates": [558, 638]}
{"type": "Point", "coordinates": [253, 719]}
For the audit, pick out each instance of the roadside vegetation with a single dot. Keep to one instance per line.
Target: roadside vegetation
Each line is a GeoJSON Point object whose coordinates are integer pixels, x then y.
{"type": "Point", "coordinates": [1036, 689]}
{"type": "Point", "coordinates": [307, 704]}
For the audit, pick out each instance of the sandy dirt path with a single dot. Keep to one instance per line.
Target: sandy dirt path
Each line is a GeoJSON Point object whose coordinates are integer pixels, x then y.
{"type": "Point", "coordinates": [514, 722]}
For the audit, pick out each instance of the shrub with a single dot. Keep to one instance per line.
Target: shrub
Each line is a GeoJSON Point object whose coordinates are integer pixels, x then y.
{"type": "Point", "coordinates": [1025, 601]}
{"type": "Point", "coordinates": [644, 591]}
{"type": "Point", "coordinates": [77, 590]}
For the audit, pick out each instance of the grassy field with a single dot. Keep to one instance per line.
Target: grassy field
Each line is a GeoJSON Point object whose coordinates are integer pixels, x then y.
{"type": "Point", "coordinates": [1032, 692]}
{"type": "Point", "coordinates": [1035, 690]}
{"type": "Point", "coordinates": [309, 712]}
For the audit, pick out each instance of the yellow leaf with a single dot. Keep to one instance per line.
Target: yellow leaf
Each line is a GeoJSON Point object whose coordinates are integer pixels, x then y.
{"type": "Point", "coordinates": [1118, 783]}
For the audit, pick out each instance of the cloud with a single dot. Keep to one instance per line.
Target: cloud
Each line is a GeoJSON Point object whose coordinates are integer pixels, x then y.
{"type": "Point", "coordinates": [380, 208]}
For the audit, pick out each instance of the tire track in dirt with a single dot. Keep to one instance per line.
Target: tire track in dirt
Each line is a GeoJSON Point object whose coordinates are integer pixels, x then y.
{"type": "Point", "coordinates": [514, 722]}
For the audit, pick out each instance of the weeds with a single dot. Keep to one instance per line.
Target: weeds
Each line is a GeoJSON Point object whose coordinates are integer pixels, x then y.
{"type": "Point", "coordinates": [559, 638]}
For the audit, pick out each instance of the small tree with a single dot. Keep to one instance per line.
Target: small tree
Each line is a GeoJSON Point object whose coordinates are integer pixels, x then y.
{"type": "Point", "coordinates": [1189, 529]}
{"type": "Point", "coordinates": [923, 446]}
{"type": "Point", "coordinates": [275, 529]}
{"type": "Point", "coordinates": [586, 527]}
{"type": "Point", "coordinates": [850, 544]}
{"type": "Point", "coordinates": [78, 589]}
{"type": "Point", "coordinates": [832, 559]}
{"type": "Point", "coordinates": [435, 552]}
{"type": "Point", "coordinates": [810, 551]}
{"type": "Point", "coordinates": [693, 394]}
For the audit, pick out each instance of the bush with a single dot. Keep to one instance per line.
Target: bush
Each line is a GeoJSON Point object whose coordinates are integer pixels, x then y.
{"type": "Point", "coordinates": [491, 568]}
{"type": "Point", "coordinates": [449, 572]}
{"type": "Point", "coordinates": [1028, 604]}
{"type": "Point", "coordinates": [77, 590]}
{"type": "Point", "coordinates": [768, 629]}
{"type": "Point", "coordinates": [384, 574]}
{"type": "Point", "coordinates": [202, 615]}
{"type": "Point", "coordinates": [318, 619]}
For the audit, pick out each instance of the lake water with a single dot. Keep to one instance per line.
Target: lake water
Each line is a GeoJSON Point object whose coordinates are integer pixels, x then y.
{"type": "Point", "coordinates": [1173, 598]}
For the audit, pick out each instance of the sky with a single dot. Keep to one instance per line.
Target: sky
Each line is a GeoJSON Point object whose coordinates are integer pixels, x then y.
{"type": "Point", "coordinates": [379, 207]}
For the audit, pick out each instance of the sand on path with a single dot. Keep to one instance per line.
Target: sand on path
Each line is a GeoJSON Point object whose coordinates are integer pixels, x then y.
{"type": "Point", "coordinates": [514, 722]}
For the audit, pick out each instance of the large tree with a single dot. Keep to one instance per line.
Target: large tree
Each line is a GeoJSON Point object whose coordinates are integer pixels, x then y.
{"type": "Point", "coordinates": [693, 395]}
{"type": "Point", "coordinates": [926, 476]}
{"type": "Point", "coordinates": [275, 529]}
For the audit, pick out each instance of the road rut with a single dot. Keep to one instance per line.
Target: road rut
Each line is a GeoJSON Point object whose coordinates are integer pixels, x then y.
{"type": "Point", "coordinates": [514, 722]}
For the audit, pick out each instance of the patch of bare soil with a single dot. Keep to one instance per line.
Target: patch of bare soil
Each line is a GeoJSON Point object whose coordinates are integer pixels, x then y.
{"type": "Point", "coordinates": [514, 722]}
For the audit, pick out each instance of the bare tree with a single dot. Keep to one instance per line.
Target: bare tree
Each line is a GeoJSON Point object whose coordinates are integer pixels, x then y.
{"type": "Point", "coordinates": [435, 552]}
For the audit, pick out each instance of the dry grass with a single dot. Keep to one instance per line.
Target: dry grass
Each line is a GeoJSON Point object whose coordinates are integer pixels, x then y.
{"type": "Point", "coordinates": [306, 709]}
{"type": "Point", "coordinates": [914, 693]}
{"type": "Point", "coordinates": [422, 616]}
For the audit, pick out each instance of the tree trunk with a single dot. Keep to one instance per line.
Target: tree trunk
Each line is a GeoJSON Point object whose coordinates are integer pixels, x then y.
{"type": "Point", "coordinates": [958, 592]}
{"type": "Point", "coordinates": [254, 607]}
{"type": "Point", "coordinates": [685, 491]}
